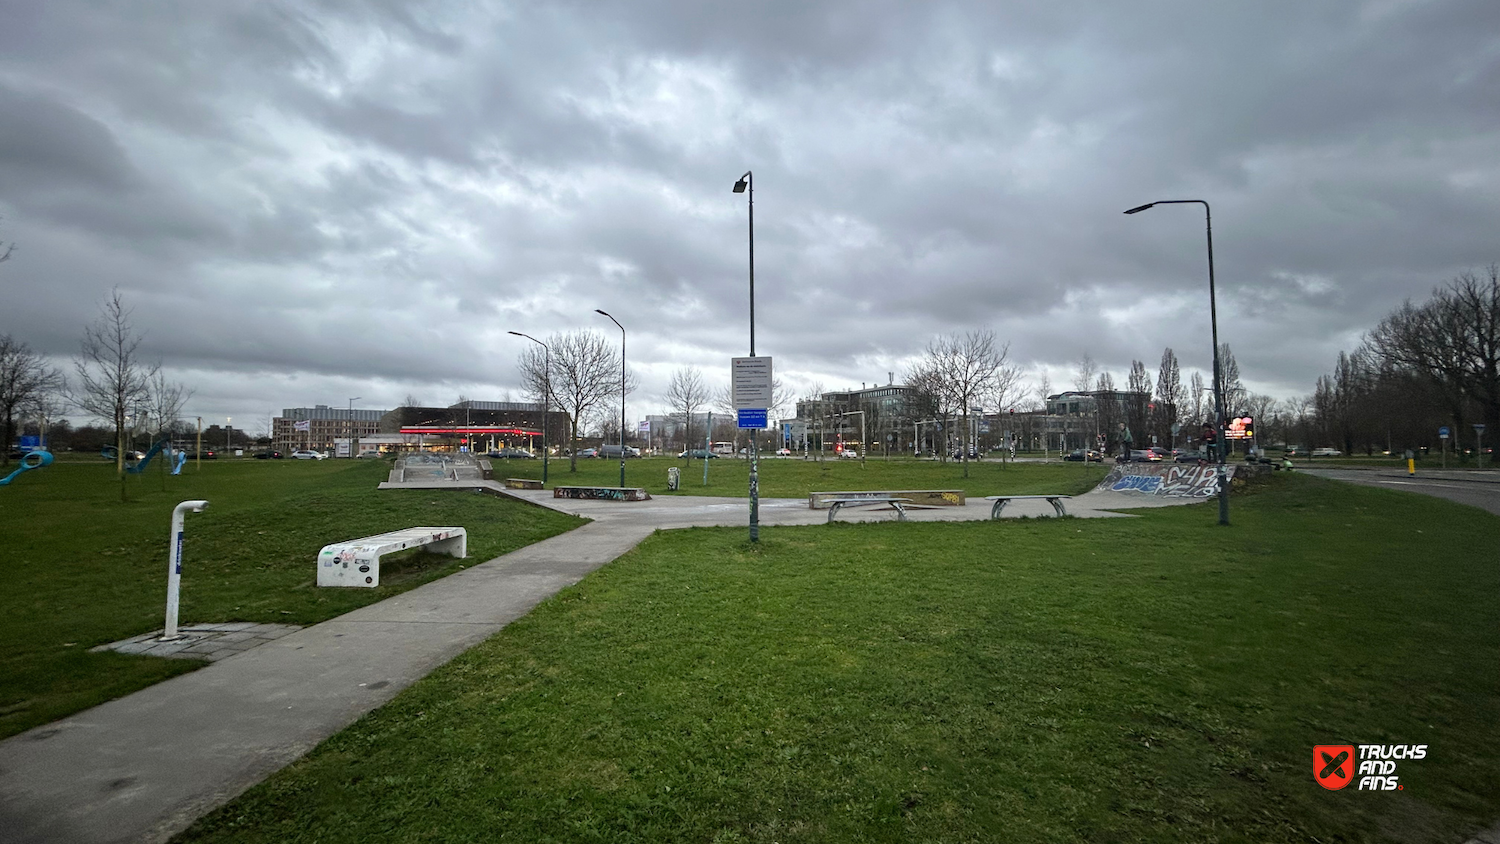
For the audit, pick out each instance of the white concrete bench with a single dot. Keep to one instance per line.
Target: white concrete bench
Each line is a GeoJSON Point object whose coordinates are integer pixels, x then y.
{"type": "Point", "coordinates": [899, 504]}
{"type": "Point", "coordinates": [357, 562]}
{"type": "Point", "coordinates": [1001, 500]}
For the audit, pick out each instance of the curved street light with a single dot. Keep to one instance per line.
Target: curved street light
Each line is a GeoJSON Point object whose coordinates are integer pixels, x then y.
{"type": "Point", "coordinates": [1213, 313]}
{"type": "Point", "coordinates": [746, 185]}
{"type": "Point", "coordinates": [622, 393]}
{"type": "Point", "coordinates": [546, 394]}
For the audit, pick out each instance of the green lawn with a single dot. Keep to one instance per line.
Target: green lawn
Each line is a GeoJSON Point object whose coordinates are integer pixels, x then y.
{"type": "Point", "coordinates": [82, 569]}
{"type": "Point", "coordinates": [795, 477]}
{"type": "Point", "coordinates": [1150, 679]}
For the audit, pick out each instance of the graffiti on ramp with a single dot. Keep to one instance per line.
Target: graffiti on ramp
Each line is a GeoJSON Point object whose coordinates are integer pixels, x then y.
{"type": "Point", "coordinates": [1186, 480]}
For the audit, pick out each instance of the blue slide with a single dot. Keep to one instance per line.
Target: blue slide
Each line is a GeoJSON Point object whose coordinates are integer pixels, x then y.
{"type": "Point", "coordinates": [32, 460]}
{"type": "Point", "coordinates": [177, 463]}
{"type": "Point", "coordinates": [141, 466]}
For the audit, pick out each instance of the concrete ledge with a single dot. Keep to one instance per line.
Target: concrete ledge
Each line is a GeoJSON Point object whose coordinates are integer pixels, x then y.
{"type": "Point", "coordinates": [522, 483]}
{"type": "Point", "coordinates": [602, 493]}
{"type": "Point", "coordinates": [914, 497]}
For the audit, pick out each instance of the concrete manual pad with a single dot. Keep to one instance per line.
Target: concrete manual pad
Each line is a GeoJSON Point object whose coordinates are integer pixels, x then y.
{"type": "Point", "coordinates": [212, 642]}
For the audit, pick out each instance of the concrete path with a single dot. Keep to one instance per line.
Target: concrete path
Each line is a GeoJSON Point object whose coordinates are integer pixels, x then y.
{"type": "Point", "coordinates": [144, 767]}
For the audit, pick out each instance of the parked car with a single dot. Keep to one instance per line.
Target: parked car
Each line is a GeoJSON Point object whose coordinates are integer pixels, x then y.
{"type": "Point", "coordinates": [613, 451]}
{"type": "Point", "coordinates": [697, 454]}
{"type": "Point", "coordinates": [268, 455]}
{"type": "Point", "coordinates": [209, 454]}
{"type": "Point", "coordinates": [1079, 455]}
{"type": "Point", "coordinates": [1190, 456]}
{"type": "Point", "coordinates": [304, 454]}
{"type": "Point", "coordinates": [512, 453]}
{"type": "Point", "coordinates": [1327, 452]}
{"type": "Point", "coordinates": [958, 454]}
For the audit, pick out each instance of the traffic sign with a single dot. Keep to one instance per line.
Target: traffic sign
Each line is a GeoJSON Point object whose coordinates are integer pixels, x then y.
{"type": "Point", "coordinates": [750, 382]}
{"type": "Point", "coordinates": [1443, 433]}
{"type": "Point", "coordinates": [1479, 427]}
{"type": "Point", "coordinates": [751, 417]}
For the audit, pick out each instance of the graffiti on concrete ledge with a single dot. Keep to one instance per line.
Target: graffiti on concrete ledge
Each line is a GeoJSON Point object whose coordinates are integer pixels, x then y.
{"type": "Point", "coordinates": [601, 493]}
{"type": "Point", "coordinates": [1176, 479]}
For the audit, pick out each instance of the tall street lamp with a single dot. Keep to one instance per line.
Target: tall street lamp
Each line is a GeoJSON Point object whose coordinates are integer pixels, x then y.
{"type": "Point", "coordinates": [350, 418]}
{"type": "Point", "coordinates": [546, 394]}
{"type": "Point", "coordinates": [1213, 315]}
{"type": "Point", "coordinates": [746, 185]}
{"type": "Point", "coordinates": [622, 393]}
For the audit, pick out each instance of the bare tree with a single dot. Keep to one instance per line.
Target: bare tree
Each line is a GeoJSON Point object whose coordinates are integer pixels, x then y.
{"type": "Point", "coordinates": [585, 375]}
{"type": "Point", "coordinates": [1107, 416]}
{"type": "Point", "coordinates": [411, 400]}
{"type": "Point", "coordinates": [1168, 393]}
{"type": "Point", "coordinates": [1453, 339]}
{"type": "Point", "coordinates": [165, 400]}
{"type": "Point", "coordinates": [26, 383]}
{"type": "Point", "coordinates": [964, 370]}
{"type": "Point", "coordinates": [1043, 391]}
{"type": "Point", "coordinates": [112, 379]}
{"type": "Point", "coordinates": [1138, 384]}
{"type": "Point", "coordinates": [1083, 374]}
{"type": "Point", "coordinates": [686, 395]}
{"type": "Point", "coordinates": [1229, 375]}
{"type": "Point", "coordinates": [6, 250]}
{"type": "Point", "coordinates": [1196, 401]}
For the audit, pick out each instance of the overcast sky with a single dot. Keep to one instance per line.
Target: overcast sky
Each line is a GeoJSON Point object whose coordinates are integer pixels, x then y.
{"type": "Point", "coordinates": [305, 202]}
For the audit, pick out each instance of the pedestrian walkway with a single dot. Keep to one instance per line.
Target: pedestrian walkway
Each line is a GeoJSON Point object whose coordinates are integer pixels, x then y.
{"type": "Point", "coordinates": [144, 767]}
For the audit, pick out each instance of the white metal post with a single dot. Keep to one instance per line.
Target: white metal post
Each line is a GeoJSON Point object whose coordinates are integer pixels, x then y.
{"type": "Point", "coordinates": [174, 563]}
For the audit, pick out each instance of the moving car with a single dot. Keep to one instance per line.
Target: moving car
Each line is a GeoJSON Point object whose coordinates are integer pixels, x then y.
{"type": "Point", "coordinates": [304, 454]}
{"type": "Point", "coordinates": [209, 454]}
{"type": "Point", "coordinates": [1190, 456]}
{"type": "Point", "coordinates": [510, 453]}
{"type": "Point", "coordinates": [268, 455]}
{"type": "Point", "coordinates": [589, 452]}
{"type": "Point", "coordinates": [1144, 456]}
{"type": "Point", "coordinates": [697, 454]}
{"type": "Point", "coordinates": [1327, 452]}
{"type": "Point", "coordinates": [1079, 455]}
{"type": "Point", "coordinates": [783, 452]}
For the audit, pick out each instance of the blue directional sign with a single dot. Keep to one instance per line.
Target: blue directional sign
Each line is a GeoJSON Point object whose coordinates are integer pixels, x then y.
{"type": "Point", "coordinates": [1443, 432]}
{"type": "Point", "coordinates": [751, 417]}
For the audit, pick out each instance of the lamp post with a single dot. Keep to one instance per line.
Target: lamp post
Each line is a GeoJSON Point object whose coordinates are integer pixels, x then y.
{"type": "Point", "coordinates": [1213, 315]}
{"type": "Point", "coordinates": [622, 393]}
{"type": "Point", "coordinates": [228, 432]}
{"type": "Point", "coordinates": [350, 418]}
{"type": "Point", "coordinates": [746, 185]}
{"type": "Point", "coordinates": [546, 394]}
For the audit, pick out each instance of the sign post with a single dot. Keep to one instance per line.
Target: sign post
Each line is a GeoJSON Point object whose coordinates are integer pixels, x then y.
{"type": "Point", "coordinates": [750, 389]}
{"type": "Point", "coordinates": [1443, 445]}
{"type": "Point", "coordinates": [1479, 444]}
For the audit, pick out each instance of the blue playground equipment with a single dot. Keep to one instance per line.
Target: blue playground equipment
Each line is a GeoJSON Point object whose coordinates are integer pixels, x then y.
{"type": "Point", "coordinates": [32, 460]}
{"type": "Point", "coordinates": [140, 465]}
{"type": "Point", "coordinates": [178, 461]}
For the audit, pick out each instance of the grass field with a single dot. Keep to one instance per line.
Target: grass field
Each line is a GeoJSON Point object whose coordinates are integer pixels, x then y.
{"type": "Point", "coordinates": [83, 569]}
{"type": "Point", "coordinates": [795, 477]}
{"type": "Point", "coordinates": [1150, 679]}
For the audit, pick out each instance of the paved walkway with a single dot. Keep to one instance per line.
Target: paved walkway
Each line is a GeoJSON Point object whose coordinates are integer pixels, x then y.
{"type": "Point", "coordinates": [1475, 487]}
{"type": "Point", "coordinates": [145, 766]}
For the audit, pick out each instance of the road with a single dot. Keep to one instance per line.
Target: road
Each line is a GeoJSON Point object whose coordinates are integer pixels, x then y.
{"type": "Point", "coordinates": [1476, 488]}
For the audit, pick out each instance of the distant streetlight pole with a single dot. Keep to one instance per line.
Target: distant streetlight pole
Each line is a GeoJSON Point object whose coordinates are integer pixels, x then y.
{"type": "Point", "coordinates": [350, 419]}
{"type": "Point", "coordinates": [746, 185]}
{"type": "Point", "coordinates": [546, 394]}
{"type": "Point", "coordinates": [622, 393]}
{"type": "Point", "coordinates": [228, 430]}
{"type": "Point", "coordinates": [1213, 315]}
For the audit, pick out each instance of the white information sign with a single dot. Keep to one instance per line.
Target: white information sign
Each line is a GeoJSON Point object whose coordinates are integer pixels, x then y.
{"type": "Point", "coordinates": [750, 379]}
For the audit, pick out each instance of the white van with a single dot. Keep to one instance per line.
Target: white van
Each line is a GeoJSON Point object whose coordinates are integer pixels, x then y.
{"type": "Point", "coordinates": [722, 448]}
